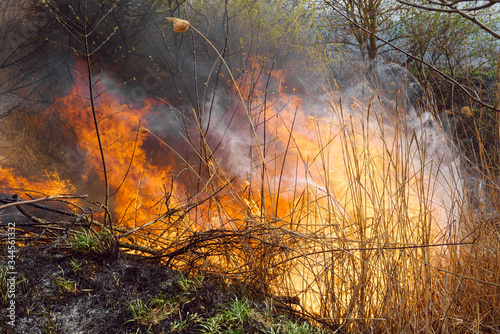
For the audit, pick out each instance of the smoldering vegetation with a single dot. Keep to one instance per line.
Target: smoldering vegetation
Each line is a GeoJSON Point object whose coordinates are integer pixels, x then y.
{"type": "Point", "coordinates": [238, 150]}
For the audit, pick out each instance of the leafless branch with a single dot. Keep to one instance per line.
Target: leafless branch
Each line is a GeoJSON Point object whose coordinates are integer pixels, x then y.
{"type": "Point", "coordinates": [48, 198]}
{"type": "Point", "coordinates": [450, 7]}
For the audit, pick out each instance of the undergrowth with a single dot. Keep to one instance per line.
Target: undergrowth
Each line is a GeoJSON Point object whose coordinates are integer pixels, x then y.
{"type": "Point", "coordinates": [91, 241]}
{"type": "Point", "coordinates": [233, 314]}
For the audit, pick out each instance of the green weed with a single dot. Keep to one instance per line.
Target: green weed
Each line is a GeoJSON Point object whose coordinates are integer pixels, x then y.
{"type": "Point", "coordinates": [183, 324]}
{"type": "Point", "coordinates": [89, 241]}
{"type": "Point", "coordinates": [20, 281]}
{"type": "Point", "coordinates": [152, 313]}
{"type": "Point", "coordinates": [65, 285]}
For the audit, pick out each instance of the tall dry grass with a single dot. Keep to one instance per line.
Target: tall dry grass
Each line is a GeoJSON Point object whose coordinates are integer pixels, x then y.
{"type": "Point", "coordinates": [354, 211]}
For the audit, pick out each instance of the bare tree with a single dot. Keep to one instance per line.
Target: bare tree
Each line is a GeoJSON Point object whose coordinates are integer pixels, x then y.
{"type": "Point", "coordinates": [365, 20]}
{"type": "Point", "coordinates": [27, 63]}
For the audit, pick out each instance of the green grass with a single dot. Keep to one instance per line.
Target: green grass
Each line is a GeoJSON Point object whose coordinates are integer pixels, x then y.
{"type": "Point", "coordinates": [153, 312]}
{"type": "Point", "coordinates": [76, 265]}
{"type": "Point", "coordinates": [189, 284]}
{"type": "Point", "coordinates": [90, 241]}
{"type": "Point", "coordinates": [184, 311]}
{"type": "Point", "coordinates": [212, 325]}
{"type": "Point", "coordinates": [66, 286]}
{"type": "Point", "coordinates": [49, 326]}
{"type": "Point", "coordinates": [237, 312]}
{"type": "Point", "coordinates": [184, 322]}
{"type": "Point", "coordinates": [21, 282]}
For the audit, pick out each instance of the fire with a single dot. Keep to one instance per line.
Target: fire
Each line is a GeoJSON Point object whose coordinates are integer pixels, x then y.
{"type": "Point", "coordinates": [350, 185]}
{"type": "Point", "coordinates": [340, 184]}
{"type": "Point", "coordinates": [136, 184]}
{"type": "Point", "coordinates": [51, 185]}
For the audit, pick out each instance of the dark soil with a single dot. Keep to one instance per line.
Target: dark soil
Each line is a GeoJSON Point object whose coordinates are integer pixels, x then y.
{"type": "Point", "coordinates": [105, 287]}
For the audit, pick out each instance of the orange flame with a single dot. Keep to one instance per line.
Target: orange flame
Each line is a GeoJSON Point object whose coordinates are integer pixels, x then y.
{"type": "Point", "coordinates": [135, 183]}
{"type": "Point", "coordinates": [52, 184]}
{"type": "Point", "coordinates": [325, 173]}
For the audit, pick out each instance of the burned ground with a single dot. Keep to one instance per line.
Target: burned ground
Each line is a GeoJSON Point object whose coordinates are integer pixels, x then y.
{"type": "Point", "coordinates": [65, 291]}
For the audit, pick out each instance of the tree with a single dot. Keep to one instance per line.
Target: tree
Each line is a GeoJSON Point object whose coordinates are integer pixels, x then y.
{"type": "Point", "coordinates": [456, 47]}
{"type": "Point", "coordinates": [360, 21]}
{"type": "Point", "coordinates": [27, 65]}
{"type": "Point", "coordinates": [461, 40]}
{"type": "Point", "coordinates": [468, 9]}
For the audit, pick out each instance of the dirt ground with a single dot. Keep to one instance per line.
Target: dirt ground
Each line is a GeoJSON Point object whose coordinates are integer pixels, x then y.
{"type": "Point", "coordinates": [67, 292]}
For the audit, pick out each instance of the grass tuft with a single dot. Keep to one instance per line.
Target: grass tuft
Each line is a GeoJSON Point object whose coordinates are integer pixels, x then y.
{"type": "Point", "coordinates": [89, 241]}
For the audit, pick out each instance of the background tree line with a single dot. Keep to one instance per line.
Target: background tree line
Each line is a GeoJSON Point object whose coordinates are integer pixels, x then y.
{"type": "Point", "coordinates": [450, 46]}
{"type": "Point", "coordinates": [459, 38]}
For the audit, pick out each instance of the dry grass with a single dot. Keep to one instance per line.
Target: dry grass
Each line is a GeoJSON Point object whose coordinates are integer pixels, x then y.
{"type": "Point", "coordinates": [350, 216]}
{"type": "Point", "coordinates": [351, 211]}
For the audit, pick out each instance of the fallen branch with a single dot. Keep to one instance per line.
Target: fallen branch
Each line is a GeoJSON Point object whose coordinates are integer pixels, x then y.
{"type": "Point", "coordinates": [41, 207]}
{"type": "Point", "coordinates": [48, 198]}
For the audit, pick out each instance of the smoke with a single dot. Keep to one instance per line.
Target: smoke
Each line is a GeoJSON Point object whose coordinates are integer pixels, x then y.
{"type": "Point", "coordinates": [138, 58]}
{"type": "Point", "coordinates": [395, 101]}
{"type": "Point", "coordinates": [229, 136]}
{"type": "Point", "coordinates": [399, 100]}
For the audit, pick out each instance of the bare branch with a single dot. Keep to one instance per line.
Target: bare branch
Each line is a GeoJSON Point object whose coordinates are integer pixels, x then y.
{"type": "Point", "coordinates": [451, 8]}
{"type": "Point", "coordinates": [48, 198]}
